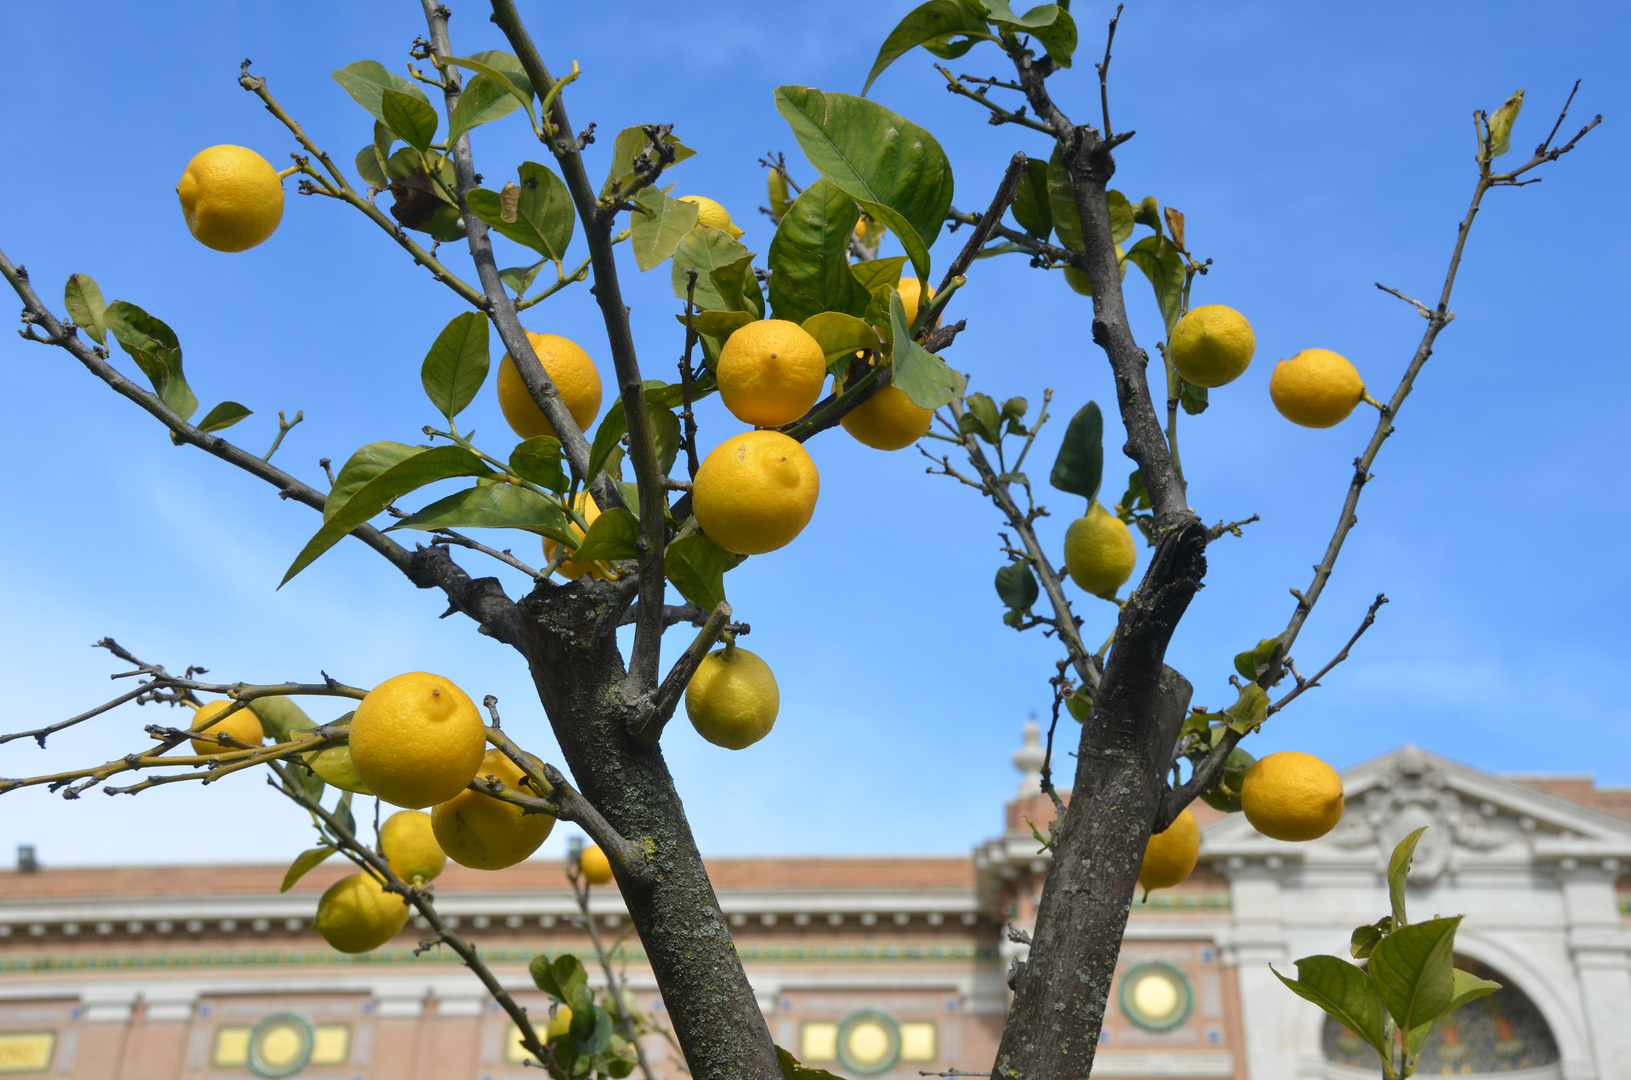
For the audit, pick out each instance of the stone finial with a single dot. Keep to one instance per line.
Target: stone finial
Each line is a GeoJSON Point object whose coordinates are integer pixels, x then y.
{"type": "Point", "coordinates": [1028, 760]}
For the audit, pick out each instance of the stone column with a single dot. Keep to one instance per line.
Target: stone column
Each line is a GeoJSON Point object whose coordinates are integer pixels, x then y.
{"type": "Point", "coordinates": [1598, 947]}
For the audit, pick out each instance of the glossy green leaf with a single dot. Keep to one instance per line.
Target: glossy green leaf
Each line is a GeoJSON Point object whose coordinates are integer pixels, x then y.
{"type": "Point", "coordinates": [342, 813]}
{"type": "Point", "coordinates": [1031, 205]}
{"type": "Point", "coordinates": [926, 378]}
{"type": "Point", "coordinates": [495, 506]}
{"type": "Point", "coordinates": [1252, 664]}
{"type": "Point", "coordinates": [872, 273]}
{"type": "Point", "coordinates": [544, 218]}
{"type": "Point", "coordinates": [367, 80]}
{"type": "Point", "coordinates": [371, 169]}
{"type": "Point", "coordinates": [410, 474]}
{"type": "Point", "coordinates": [737, 284]}
{"type": "Point", "coordinates": [1249, 710]}
{"type": "Point", "coordinates": [1412, 969]}
{"type": "Point", "coordinates": [223, 416]}
{"type": "Point", "coordinates": [83, 298]}
{"type": "Point", "coordinates": [666, 434]}
{"type": "Point", "coordinates": [280, 717]}
{"type": "Point", "coordinates": [840, 335]}
{"type": "Point", "coordinates": [891, 166]}
{"type": "Point", "coordinates": [981, 418]}
{"type": "Point", "coordinates": [1193, 398]}
{"type": "Point", "coordinates": [608, 437]}
{"type": "Point", "coordinates": [303, 864]}
{"type": "Point", "coordinates": [810, 256]}
{"type": "Point", "coordinates": [706, 250]}
{"type": "Point", "coordinates": [1162, 263]}
{"type": "Point", "coordinates": [1345, 993]}
{"type": "Point", "coordinates": [612, 536]}
{"type": "Point", "coordinates": [719, 325]}
{"type": "Point", "coordinates": [154, 347]}
{"type": "Point", "coordinates": [600, 1035]}
{"type": "Point", "coordinates": [483, 100]}
{"type": "Point", "coordinates": [412, 118]}
{"type": "Point", "coordinates": [936, 22]}
{"type": "Point", "coordinates": [655, 233]}
{"type": "Point", "coordinates": [1121, 217]}
{"type": "Point", "coordinates": [1079, 468]}
{"type": "Point", "coordinates": [1224, 792]}
{"type": "Point", "coordinates": [457, 363]}
{"type": "Point", "coordinates": [520, 278]}
{"type": "Point", "coordinates": [1017, 587]}
{"type": "Point", "coordinates": [539, 461]}
{"type": "Point", "coordinates": [696, 566]}
{"type": "Point", "coordinates": [1050, 24]}
{"type": "Point", "coordinates": [368, 462]}
{"type": "Point", "coordinates": [634, 159]}
{"type": "Point", "coordinates": [1062, 209]}
{"type": "Point", "coordinates": [1363, 941]}
{"type": "Point", "coordinates": [1398, 873]}
{"type": "Point", "coordinates": [505, 71]}
{"type": "Point", "coordinates": [1468, 988]}
{"type": "Point", "coordinates": [559, 977]}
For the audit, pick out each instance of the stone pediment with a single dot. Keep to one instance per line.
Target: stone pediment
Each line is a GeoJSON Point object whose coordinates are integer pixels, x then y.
{"type": "Point", "coordinates": [1473, 817]}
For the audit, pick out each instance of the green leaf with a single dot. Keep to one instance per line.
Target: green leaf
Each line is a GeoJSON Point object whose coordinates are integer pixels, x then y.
{"type": "Point", "coordinates": [83, 298]}
{"type": "Point", "coordinates": [495, 506]}
{"type": "Point", "coordinates": [980, 417]}
{"type": "Point", "coordinates": [1067, 219]}
{"type": "Point", "coordinates": [544, 217]}
{"type": "Point", "coordinates": [1252, 664]}
{"type": "Point", "coordinates": [368, 462]}
{"type": "Point", "coordinates": [539, 460]}
{"type": "Point", "coordinates": [926, 378]}
{"type": "Point", "coordinates": [655, 234]}
{"type": "Point", "coordinates": [599, 1036]}
{"type": "Point", "coordinates": [714, 328]}
{"type": "Point", "coordinates": [457, 363]}
{"type": "Point", "coordinates": [891, 166]}
{"type": "Point", "coordinates": [840, 336]}
{"type": "Point", "coordinates": [608, 437]}
{"type": "Point", "coordinates": [520, 278]}
{"type": "Point", "coordinates": [631, 145]}
{"type": "Point", "coordinates": [873, 273]}
{"type": "Point", "coordinates": [809, 256]}
{"type": "Point", "coordinates": [505, 71]}
{"type": "Point", "coordinates": [696, 566]}
{"type": "Point", "coordinates": [1193, 398]}
{"type": "Point", "coordinates": [342, 814]}
{"type": "Point", "coordinates": [223, 416]}
{"type": "Point", "coordinates": [1249, 710]}
{"type": "Point", "coordinates": [611, 537]}
{"type": "Point", "coordinates": [1500, 128]}
{"type": "Point", "coordinates": [413, 119]}
{"type": "Point", "coordinates": [1162, 263]}
{"type": "Point", "coordinates": [1079, 705]}
{"type": "Point", "coordinates": [1412, 970]}
{"type": "Point", "coordinates": [1121, 217]}
{"type": "Point", "coordinates": [937, 21]}
{"type": "Point", "coordinates": [1224, 793]}
{"type": "Point", "coordinates": [280, 717]}
{"type": "Point", "coordinates": [367, 80]}
{"type": "Point", "coordinates": [1137, 496]}
{"type": "Point", "coordinates": [483, 99]}
{"type": "Point", "coordinates": [737, 283]}
{"type": "Point", "coordinates": [665, 433]}
{"type": "Point", "coordinates": [706, 250]}
{"type": "Point", "coordinates": [1365, 938]}
{"type": "Point", "coordinates": [1017, 587]}
{"type": "Point", "coordinates": [154, 347]}
{"type": "Point", "coordinates": [410, 474]}
{"type": "Point", "coordinates": [792, 1070]}
{"type": "Point", "coordinates": [1048, 23]}
{"type": "Point", "coordinates": [1079, 468]}
{"type": "Point", "coordinates": [370, 168]}
{"type": "Point", "coordinates": [1468, 988]}
{"type": "Point", "coordinates": [1398, 873]}
{"type": "Point", "coordinates": [1344, 992]}
{"type": "Point", "coordinates": [1031, 207]}
{"type": "Point", "coordinates": [303, 864]}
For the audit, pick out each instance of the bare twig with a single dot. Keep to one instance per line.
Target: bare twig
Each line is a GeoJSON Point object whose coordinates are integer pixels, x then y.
{"type": "Point", "coordinates": [1232, 528]}
{"type": "Point", "coordinates": [999, 115]}
{"type": "Point", "coordinates": [982, 232]}
{"type": "Point", "coordinates": [650, 727]}
{"type": "Point", "coordinates": [1309, 684]}
{"type": "Point", "coordinates": [448, 536]}
{"type": "Point", "coordinates": [1104, 70]}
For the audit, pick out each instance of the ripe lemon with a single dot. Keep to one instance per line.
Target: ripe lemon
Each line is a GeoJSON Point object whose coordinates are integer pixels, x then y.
{"type": "Point", "coordinates": [1169, 857]}
{"type": "Point", "coordinates": [596, 867]}
{"type": "Point", "coordinates": [242, 725]}
{"type": "Point", "coordinates": [1292, 796]}
{"type": "Point", "coordinates": [356, 914]}
{"type": "Point", "coordinates": [1212, 345]}
{"type": "Point", "coordinates": [484, 833]}
{"type": "Point", "coordinates": [584, 504]}
{"type": "Point", "coordinates": [771, 372]}
{"type": "Point", "coordinates": [888, 420]}
{"type": "Point", "coordinates": [860, 229]}
{"type": "Point", "coordinates": [1099, 552]}
{"type": "Point", "coordinates": [231, 196]}
{"type": "Point", "coordinates": [561, 1022]}
{"type": "Point", "coordinates": [755, 492]}
{"type": "Point", "coordinates": [573, 374]}
{"type": "Point", "coordinates": [732, 698]}
{"type": "Point", "coordinates": [713, 215]}
{"type": "Point", "coordinates": [417, 739]}
{"type": "Point", "coordinates": [911, 294]}
{"type": "Point", "coordinates": [409, 844]}
{"type": "Point", "coordinates": [1316, 388]}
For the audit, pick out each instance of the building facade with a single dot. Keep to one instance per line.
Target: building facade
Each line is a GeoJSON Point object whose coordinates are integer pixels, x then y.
{"type": "Point", "coordinates": [866, 966]}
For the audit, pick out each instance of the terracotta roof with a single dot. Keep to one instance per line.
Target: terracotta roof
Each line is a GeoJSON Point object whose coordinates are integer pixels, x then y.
{"type": "Point", "coordinates": [1582, 789]}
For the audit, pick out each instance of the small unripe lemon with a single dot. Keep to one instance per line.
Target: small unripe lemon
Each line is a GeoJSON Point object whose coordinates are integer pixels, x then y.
{"type": "Point", "coordinates": [1099, 552]}
{"type": "Point", "coordinates": [408, 843]}
{"type": "Point", "coordinates": [231, 196]}
{"type": "Point", "coordinates": [1292, 796]}
{"type": "Point", "coordinates": [1212, 345]}
{"type": "Point", "coordinates": [755, 492]}
{"type": "Point", "coordinates": [770, 372]}
{"type": "Point", "coordinates": [732, 698]}
{"type": "Point", "coordinates": [356, 914]}
{"type": "Point", "coordinates": [1316, 388]}
{"type": "Point", "coordinates": [595, 866]}
{"type": "Point", "coordinates": [417, 739]}
{"type": "Point", "coordinates": [713, 215]}
{"type": "Point", "coordinates": [779, 202]}
{"type": "Point", "coordinates": [242, 725]}
{"type": "Point", "coordinates": [574, 376]}
{"type": "Point", "coordinates": [1078, 281]}
{"type": "Point", "coordinates": [484, 833]}
{"type": "Point", "coordinates": [888, 420]}
{"type": "Point", "coordinates": [1169, 856]}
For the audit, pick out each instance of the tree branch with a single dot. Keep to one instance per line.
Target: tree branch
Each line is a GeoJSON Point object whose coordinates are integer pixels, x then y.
{"type": "Point", "coordinates": [982, 232]}
{"type": "Point", "coordinates": [649, 728]}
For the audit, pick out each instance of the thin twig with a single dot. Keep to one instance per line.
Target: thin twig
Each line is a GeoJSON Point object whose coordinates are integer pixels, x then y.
{"type": "Point", "coordinates": [1104, 71]}
{"type": "Point", "coordinates": [999, 115]}
{"type": "Point", "coordinates": [1309, 684]}
{"type": "Point", "coordinates": [448, 536]}
{"type": "Point", "coordinates": [283, 427]}
{"type": "Point", "coordinates": [1232, 528]}
{"type": "Point", "coordinates": [650, 728]}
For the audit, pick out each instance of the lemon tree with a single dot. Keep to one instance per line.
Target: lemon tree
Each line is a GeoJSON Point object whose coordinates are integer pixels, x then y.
{"type": "Point", "coordinates": [654, 496]}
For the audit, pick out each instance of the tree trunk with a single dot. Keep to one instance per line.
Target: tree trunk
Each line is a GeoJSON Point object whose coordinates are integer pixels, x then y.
{"type": "Point", "coordinates": [570, 642]}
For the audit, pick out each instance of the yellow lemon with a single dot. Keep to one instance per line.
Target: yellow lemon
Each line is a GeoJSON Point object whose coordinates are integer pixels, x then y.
{"type": "Point", "coordinates": [417, 739]}
{"type": "Point", "coordinates": [911, 294]}
{"type": "Point", "coordinates": [713, 215]}
{"type": "Point", "coordinates": [732, 698]}
{"type": "Point", "coordinates": [1316, 388]}
{"type": "Point", "coordinates": [573, 374]}
{"type": "Point", "coordinates": [408, 843]}
{"type": "Point", "coordinates": [596, 867]}
{"type": "Point", "coordinates": [242, 725]}
{"type": "Point", "coordinates": [771, 372]}
{"type": "Point", "coordinates": [1169, 857]}
{"type": "Point", "coordinates": [356, 914]}
{"type": "Point", "coordinates": [777, 186]}
{"type": "Point", "coordinates": [1292, 796]}
{"type": "Point", "coordinates": [1078, 281]}
{"type": "Point", "coordinates": [231, 196]}
{"type": "Point", "coordinates": [1099, 552]}
{"type": "Point", "coordinates": [584, 504]}
{"type": "Point", "coordinates": [755, 492]}
{"type": "Point", "coordinates": [561, 1022]}
{"type": "Point", "coordinates": [860, 228]}
{"type": "Point", "coordinates": [888, 420]}
{"type": "Point", "coordinates": [485, 833]}
{"type": "Point", "coordinates": [1212, 345]}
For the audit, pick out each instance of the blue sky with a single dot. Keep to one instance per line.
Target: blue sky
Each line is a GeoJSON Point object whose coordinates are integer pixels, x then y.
{"type": "Point", "coordinates": [1314, 151]}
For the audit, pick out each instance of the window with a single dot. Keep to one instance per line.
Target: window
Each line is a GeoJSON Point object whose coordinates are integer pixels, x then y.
{"type": "Point", "coordinates": [818, 1042]}
{"type": "Point", "coordinates": [26, 1052]}
{"type": "Point", "coordinates": [1155, 996]}
{"type": "Point", "coordinates": [918, 1042]}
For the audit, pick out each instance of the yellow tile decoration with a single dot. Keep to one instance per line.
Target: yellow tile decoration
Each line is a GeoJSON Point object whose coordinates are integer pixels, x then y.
{"type": "Point", "coordinates": [917, 1042]}
{"type": "Point", "coordinates": [231, 1046]}
{"type": "Point", "coordinates": [332, 1045]}
{"type": "Point", "coordinates": [818, 1042]}
{"type": "Point", "coordinates": [26, 1052]}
